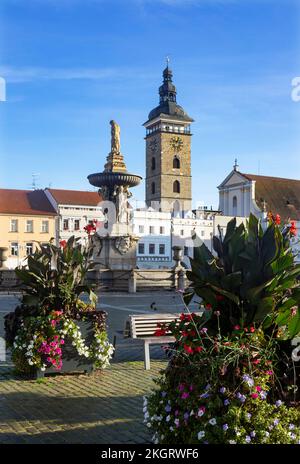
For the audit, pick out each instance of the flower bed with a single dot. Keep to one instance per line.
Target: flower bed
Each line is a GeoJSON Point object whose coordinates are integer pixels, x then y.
{"type": "Point", "coordinates": [70, 338]}
{"type": "Point", "coordinates": [232, 377]}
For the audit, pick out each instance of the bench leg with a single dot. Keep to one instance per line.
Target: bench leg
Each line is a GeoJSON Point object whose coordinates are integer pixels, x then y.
{"type": "Point", "coordinates": [114, 345]}
{"type": "Point", "coordinates": [147, 355]}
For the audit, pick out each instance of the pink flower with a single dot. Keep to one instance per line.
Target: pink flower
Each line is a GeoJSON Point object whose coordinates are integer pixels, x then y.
{"type": "Point", "coordinates": [53, 323]}
{"type": "Point", "coordinates": [217, 313]}
{"type": "Point", "coordinates": [269, 372]}
{"type": "Point", "coordinates": [236, 327]}
{"type": "Point", "coordinates": [185, 395]}
{"type": "Point", "coordinates": [258, 388]}
{"type": "Point", "coordinates": [254, 395]}
{"type": "Point", "coordinates": [62, 342]}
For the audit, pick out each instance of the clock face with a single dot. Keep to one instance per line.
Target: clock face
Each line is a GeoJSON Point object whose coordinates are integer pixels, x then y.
{"type": "Point", "coordinates": [176, 143]}
{"type": "Point", "coordinates": [153, 145]}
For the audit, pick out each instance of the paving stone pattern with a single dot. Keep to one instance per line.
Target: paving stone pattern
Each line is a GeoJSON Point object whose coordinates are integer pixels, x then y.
{"type": "Point", "coordinates": [104, 407]}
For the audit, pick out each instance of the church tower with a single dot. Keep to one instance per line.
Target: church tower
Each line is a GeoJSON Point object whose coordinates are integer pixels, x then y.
{"type": "Point", "coordinates": [168, 152]}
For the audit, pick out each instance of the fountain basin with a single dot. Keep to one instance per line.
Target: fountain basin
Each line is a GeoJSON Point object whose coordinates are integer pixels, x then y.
{"type": "Point", "coordinates": [110, 179]}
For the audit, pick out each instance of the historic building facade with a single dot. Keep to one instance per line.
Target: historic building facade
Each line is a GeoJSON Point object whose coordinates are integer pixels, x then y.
{"type": "Point", "coordinates": [168, 152]}
{"type": "Point", "coordinates": [27, 219]}
{"type": "Point", "coordinates": [241, 194]}
{"type": "Point", "coordinates": [75, 209]}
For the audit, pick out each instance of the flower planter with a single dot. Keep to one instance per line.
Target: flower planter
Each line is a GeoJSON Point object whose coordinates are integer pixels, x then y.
{"type": "Point", "coordinates": [72, 362]}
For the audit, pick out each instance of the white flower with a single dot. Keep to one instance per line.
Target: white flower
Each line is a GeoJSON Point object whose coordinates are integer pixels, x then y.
{"type": "Point", "coordinates": [148, 425]}
{"type": "Point", "coordinates": [232, 442]}
{"type": "Point", "coordinates": [201, 434]}
{"type": "Point", "coordinates": [212, 421]}
{"type": "Point", "coordinates": [168, 418]}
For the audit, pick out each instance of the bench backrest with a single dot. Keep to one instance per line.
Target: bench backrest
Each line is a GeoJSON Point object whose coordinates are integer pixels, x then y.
{"type": "Point", "coordinates": [145, 325]}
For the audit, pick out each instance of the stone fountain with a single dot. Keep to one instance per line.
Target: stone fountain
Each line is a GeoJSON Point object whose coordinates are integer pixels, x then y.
{"type": "Point", "coordinates": [114, 241]}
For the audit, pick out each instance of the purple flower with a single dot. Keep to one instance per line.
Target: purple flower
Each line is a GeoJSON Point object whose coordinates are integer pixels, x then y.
{"type": "Point", "coordinates": [248, 439]}
{"type": "Point", "coordinates": [225, 427]}
{"type": "Point", "coordinates": [208, 386]}
{"type": "Point", "coordinates": [252, 434]}
{"type": "Point", "coordinates": [168, 408]}
{"type": "Point", "coordinates": [222, 390]}
{"type": "Point", "coordinates": [248, 415]}
{"type": "Point", "coordinates": [263, 395]}
{"type": "Point", "coordinates": [276, 421]}
{"type": "Point", "coordinates": [185, 395]}
{"type": "Point", "coordinates": [163, 394]}
{"type": "Point", "coordinates": [226, 402]}
{"type": "Point", "coordinates": [249, 381]}
{"type": "Point", "coordinates": [186, 416]}
{"type": "Point", "coordinates": [205, 395]}
{"type": "Point", "coordinates": [278, 403]}
{"type": "Point", "coordinates": [291, 426]}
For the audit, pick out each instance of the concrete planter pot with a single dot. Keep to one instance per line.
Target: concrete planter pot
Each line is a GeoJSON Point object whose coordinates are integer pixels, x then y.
{"type": "Point", "coordinates": [72, 362]}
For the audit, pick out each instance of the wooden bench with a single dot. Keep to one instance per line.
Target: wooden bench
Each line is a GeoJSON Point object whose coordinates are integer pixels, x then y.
{"type": "Point", "coordinates": [143, 327]}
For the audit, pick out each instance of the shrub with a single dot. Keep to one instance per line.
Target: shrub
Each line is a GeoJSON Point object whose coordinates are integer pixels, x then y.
{"type": "Point", "coordinates": [231, 378]}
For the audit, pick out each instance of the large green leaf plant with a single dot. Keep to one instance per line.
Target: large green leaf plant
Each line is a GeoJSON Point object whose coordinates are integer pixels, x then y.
{"type": "Point", "coordinates": [250, 278]}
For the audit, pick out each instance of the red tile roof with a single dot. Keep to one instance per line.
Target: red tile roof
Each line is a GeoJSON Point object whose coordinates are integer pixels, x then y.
{"type": "Point", "coordinates": [282, 196]}
{"type": "Point", "coordinates": [75, 197]}
{"type": "Point", "coordinates": [29, 202]}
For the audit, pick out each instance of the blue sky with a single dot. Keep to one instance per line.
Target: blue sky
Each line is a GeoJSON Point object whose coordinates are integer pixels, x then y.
{"type": "Point", "coordinates": [72, 65]}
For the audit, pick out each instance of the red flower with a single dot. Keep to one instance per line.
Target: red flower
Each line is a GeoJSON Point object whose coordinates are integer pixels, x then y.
{"type": "Point", "coordinates": [208, 306]}
{"type": "Point", "coordinates": [236, 327]}
{"type": "Point", "coordinates": [182, 317]}
{"type": "Point", "coordinates": [256, 361]}
{"type": "Point", "coordinates": [252, 329]}
{"type": "Point", "coordinates": [160, 332]}
{"type": "Point", "coordinates": [254, 396]}
{"type": "Point", "coordinates": [293, 229]}
{"type": "Point", "coordinates": [277, 219]}
{"type": "Point", "coordinates": [219, 297]}
{"type": "Point", "coordinates": [188, 349]}
{"type": "Point", "coordinates": [63, 243]}
{"type": "Point", "coordinates": [258, 388]}
{"type": "Point", "coordinates": [198, 349]}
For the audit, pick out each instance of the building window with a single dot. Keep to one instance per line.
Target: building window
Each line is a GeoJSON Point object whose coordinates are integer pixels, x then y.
{"type": "Point", "coordinates": [29, 249]}
{"type": "Point", "coordinates": [186, 251]}
{"type": "Point", "coordinates": [153, 164]}
{"type": "Point", "coordinates": [202, 233]}
{"type": "Point", "coordinates": [45, 227]}
{"type": "Point", "coordinates": [141, 248]}
{"type": "Point", "coordinates": [176, 162]}
{"type": "Point", "coordinates": [162, 249]}
{"type": "Point", "coordinates": [66, 224]}
{"type": "Point", "coordinates": [176, 186]}
{"type": "Point", "coordinates": [141, 229]}
{"type": "Point", "coordinates": [153, 188]}
{"type": "Point", "coordinates": [151, 248]}
{"type": "Point", "coordinates": [14, 225]}
{"type": "Point", "coordinates": [77, 224]}
{"type": "Point", "coordinates": [161, 230]}
{"type": "Point", "coordinates": [182, 232]}
{"type": "Point", "coordinates": [14, 249]}
{"type": "Point", "coordinates": [29, 226]}
{"type": "Point", "coordinates": [151, 230]}
{"type": "Point", "coordinates": [234, 206]}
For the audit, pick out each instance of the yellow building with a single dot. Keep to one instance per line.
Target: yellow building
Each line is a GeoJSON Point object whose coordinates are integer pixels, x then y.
{"type": "Point", "coordinates": [26, 219]}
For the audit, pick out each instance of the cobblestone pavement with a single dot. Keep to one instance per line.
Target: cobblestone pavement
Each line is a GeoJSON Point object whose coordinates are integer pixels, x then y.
{"type": "Point", "coordinates": [104, 407]}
